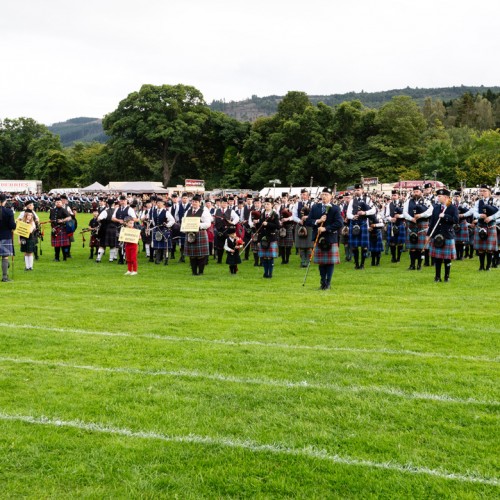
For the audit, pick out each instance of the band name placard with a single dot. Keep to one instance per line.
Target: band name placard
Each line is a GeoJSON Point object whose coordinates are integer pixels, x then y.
{"type": "Point", "coordinates": [129, 235]}
{"type": "Point", "coordinates": [190, 225]}
{"type": "Point", "coordinates": [23, 229]}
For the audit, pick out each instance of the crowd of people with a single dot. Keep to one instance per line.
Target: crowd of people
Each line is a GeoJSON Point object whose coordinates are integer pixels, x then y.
{"type": "Point", "coordinates": [433, 227]}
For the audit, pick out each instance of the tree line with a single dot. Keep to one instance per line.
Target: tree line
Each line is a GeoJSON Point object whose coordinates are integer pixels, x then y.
{"type": "Point", "coordinates": [168, 132]}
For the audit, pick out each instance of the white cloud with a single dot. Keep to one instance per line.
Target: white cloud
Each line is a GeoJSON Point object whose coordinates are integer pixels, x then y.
{"type": "Point", "coordinates": [64, 59]}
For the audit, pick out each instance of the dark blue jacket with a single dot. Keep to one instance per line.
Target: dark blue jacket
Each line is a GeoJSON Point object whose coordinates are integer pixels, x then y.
{"type": "Point", "coordinates": [445, 227]}
{"type": "Point", "coordinates": [7, 223]}
{"type": "Point", "coordinates": [333, 223]}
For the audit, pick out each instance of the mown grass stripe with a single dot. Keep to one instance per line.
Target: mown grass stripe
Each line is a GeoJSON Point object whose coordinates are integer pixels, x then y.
{"type": "Point", "coordinates": [304, 384]}
{"type": "Point", "coordinates": [306, 452]}
{"type": "Point", "coordinates": [243, 343]}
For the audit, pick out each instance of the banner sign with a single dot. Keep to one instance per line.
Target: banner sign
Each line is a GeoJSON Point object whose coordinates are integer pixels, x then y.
{"type": "Point", "coordinates": [129, 235]}
{"type": "Point", "coordinates": [190, 225]}
{"type": "Point", "coordinates": [23, 229]}
{"type": "Point", "coordinates": [370, 181]}
{"type": "Point", "coordinates": [194, 183]}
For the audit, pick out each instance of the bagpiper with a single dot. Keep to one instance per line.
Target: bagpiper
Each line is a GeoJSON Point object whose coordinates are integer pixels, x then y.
{"type": "Point", "coordinates": [416, 211]}
{"type": "Point", "coordinates": [441, 227]}
{"type": "Point", "coordinates": [303, 233]}
{"type": "Point", "coordinates": [326, 221]}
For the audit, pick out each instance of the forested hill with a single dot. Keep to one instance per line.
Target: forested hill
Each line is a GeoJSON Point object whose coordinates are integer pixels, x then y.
{"type": "Point", "coordinates": [85, 129]}
{"type": "Point", "coordinates": [81, 129]}
{"type": "Point", "coordinates": [251, 109]}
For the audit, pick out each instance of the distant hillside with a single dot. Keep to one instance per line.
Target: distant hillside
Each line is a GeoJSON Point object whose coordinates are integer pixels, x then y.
{"type": "Point", "coordinates": [251, 109]}
{"type": "Point", "coordinates": [85, 129]}
{"type": "Point", "coordinates": [81, 129]}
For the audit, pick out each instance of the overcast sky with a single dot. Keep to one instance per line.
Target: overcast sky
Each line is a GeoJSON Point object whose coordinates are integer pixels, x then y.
{"type": "Point", "coordinates": [64, 58]}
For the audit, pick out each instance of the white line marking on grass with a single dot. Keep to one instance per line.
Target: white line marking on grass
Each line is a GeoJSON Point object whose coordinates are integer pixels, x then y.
{"type": "Point", "coordinates": [244, 343]}
{"type": "Point", "coordinates": [443, 398]}
{"type": "Point", "coordinates": [281, 449]}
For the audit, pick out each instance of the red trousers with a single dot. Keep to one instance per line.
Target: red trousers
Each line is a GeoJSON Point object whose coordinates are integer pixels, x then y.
{"type": "Point", "coordinates": [131, 250]}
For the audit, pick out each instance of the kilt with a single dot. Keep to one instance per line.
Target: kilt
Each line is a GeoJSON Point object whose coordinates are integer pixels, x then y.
{"type": "Point", "coordinates": [325, 257]}
{"type": "Point", "coordinates": [287, 241]}
{"type": "Point", "coordinates": [445, 252]}
{"type": "Point", "coordinates": [269, 253]}
{"type": "Point", "coordinates": [421, 228]}
{"type": "Point", "coordinates": [6, 248]}
{"type": "Point", "coordinates": [306, 242]}
{"type": "Point", "coordinates": [398, 239]}
{"type": "Point", "coordinates": [254, 245]}
{"type": "Point", "coordinates": [110, 236]}
{"type": "Point", "coordinates": [60, 238]}
{"type": "Point", "coordinates": [233, 258]}
{"type": "Point", "coordinates": [376, 242]}
{"type": "Point", "coordinates": [199, 248]}
{"type": "Point", "coordinates": [361, 240]}
{"type": "Point", "coordinates": [28, 244]}
{"type": "Point", "coordinates": [463, 234]}
{"type": "Point", "coordinates": [165, 243]}
{"type": "Point", "coordinates": [490, 244]}
{"type": "Point", "coordinates": [94, 241]}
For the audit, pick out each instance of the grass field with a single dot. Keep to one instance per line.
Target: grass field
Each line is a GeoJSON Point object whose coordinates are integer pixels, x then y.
{"type": "Point", "coordinates": [169, 385]}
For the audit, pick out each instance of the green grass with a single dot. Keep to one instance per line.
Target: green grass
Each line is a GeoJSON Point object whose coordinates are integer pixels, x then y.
{"type": "Point", "coordinates": [169, 385]}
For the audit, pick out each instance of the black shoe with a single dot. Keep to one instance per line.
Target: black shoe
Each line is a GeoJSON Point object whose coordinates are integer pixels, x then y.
{"type": "Point", "coordinates": [183, 260]}
{"type": "Point", "coordinates": [446, 280]}
{"type": "Point", "coordinates": [57, 260]}
{"type": "Point", "coordinates": [5, 280]}
{"type": "Point", "coordinates": [411, 268]}
{"type": "Point", "coordinates": [437, 280]}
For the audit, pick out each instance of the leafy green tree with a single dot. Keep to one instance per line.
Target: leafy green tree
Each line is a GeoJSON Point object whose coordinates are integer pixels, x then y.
{"type": "Point", "coordinates": [48, 162]}
{"type": "Point", "coordinates": [162, 122]}
{"type": "Point", "coordinates": [83, 162]}
{"type": "Point", "coordinates": [15, 138]}
{"type": "Point", "coordinates": [399, 139]}
{"type": "Point", "coordinates": [483, 163]}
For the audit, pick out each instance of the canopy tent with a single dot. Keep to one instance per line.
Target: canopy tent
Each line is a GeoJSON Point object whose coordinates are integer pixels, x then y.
{"type": "Point", "coordinates": [142, 187]}
{"type": "Point", "coordinates": [94, 188]}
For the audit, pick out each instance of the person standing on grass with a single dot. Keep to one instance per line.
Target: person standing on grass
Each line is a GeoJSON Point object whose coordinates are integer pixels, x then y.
{"type": "Point", "coordinates": [326, 220]}
{"type": "Point", "coordinates": [232, 247]}
{"type": "Point", "coordinates": [196, 245]}
{"type": "Point", "coordinates": [131, 249]}
{"type": "Point", "coordinates": [357, 212]}
{"type": "Point", "coordinates": [7, 225]}
{"type": "Point", "coordinates": [60, 238]}
{"type": "Point", "coordinates": [28, 244]}
{"type": "Point", "coordinates": [303, 234]}
{"type": "Point", "coordinates": [267, 229]}
{"type": "Point", "coordinates": [442, 245]}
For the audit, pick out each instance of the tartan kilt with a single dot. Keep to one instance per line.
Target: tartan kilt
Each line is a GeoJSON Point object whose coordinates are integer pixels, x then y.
{"type": "Point", "coordinates": [463, 234]}
{"type": "Point", "coordinates": [306, 242]}
{"type": "Point", "coordinates": [400, 238]}
{"type": "Point", "coordinates": [254, 246]}
{"type": "Point", "coordinates": [325, 257]}
{"type": "Point", "coordinates": [6, 248]}
{"type": "Point", "coordinates": [421, 228]}
{"type": "Point", "coordinates": [165, 243]}
{"type": "Point", "coordinates": [269, 253]}
{"type": "Point", "coordinates": [490, 244]}
{"type": "Point", "coordinates": [94, 241]}
{"type": "Point", "coordinates": [60, 238]}
{"type": "Point", "coordinates": [287, 241]}
{"type": "Point", "coordinates": [110, 239]}
{"type": "Point", "coordinates": [376, 243]}
{"type": "Point", "coordinates": [445, 252]}
{"type": "Point", "coordinates": [199, 248]}
{"type": "Point", "coordinates": [28, 245]}
{"type": "Point", "coordinates": [361, 240]}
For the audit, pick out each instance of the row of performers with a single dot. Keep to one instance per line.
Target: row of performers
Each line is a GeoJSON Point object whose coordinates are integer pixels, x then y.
{"type": "Point", "coordinates": [362, 230]}
{"type": "Point", "coordinates": [410, 223]}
